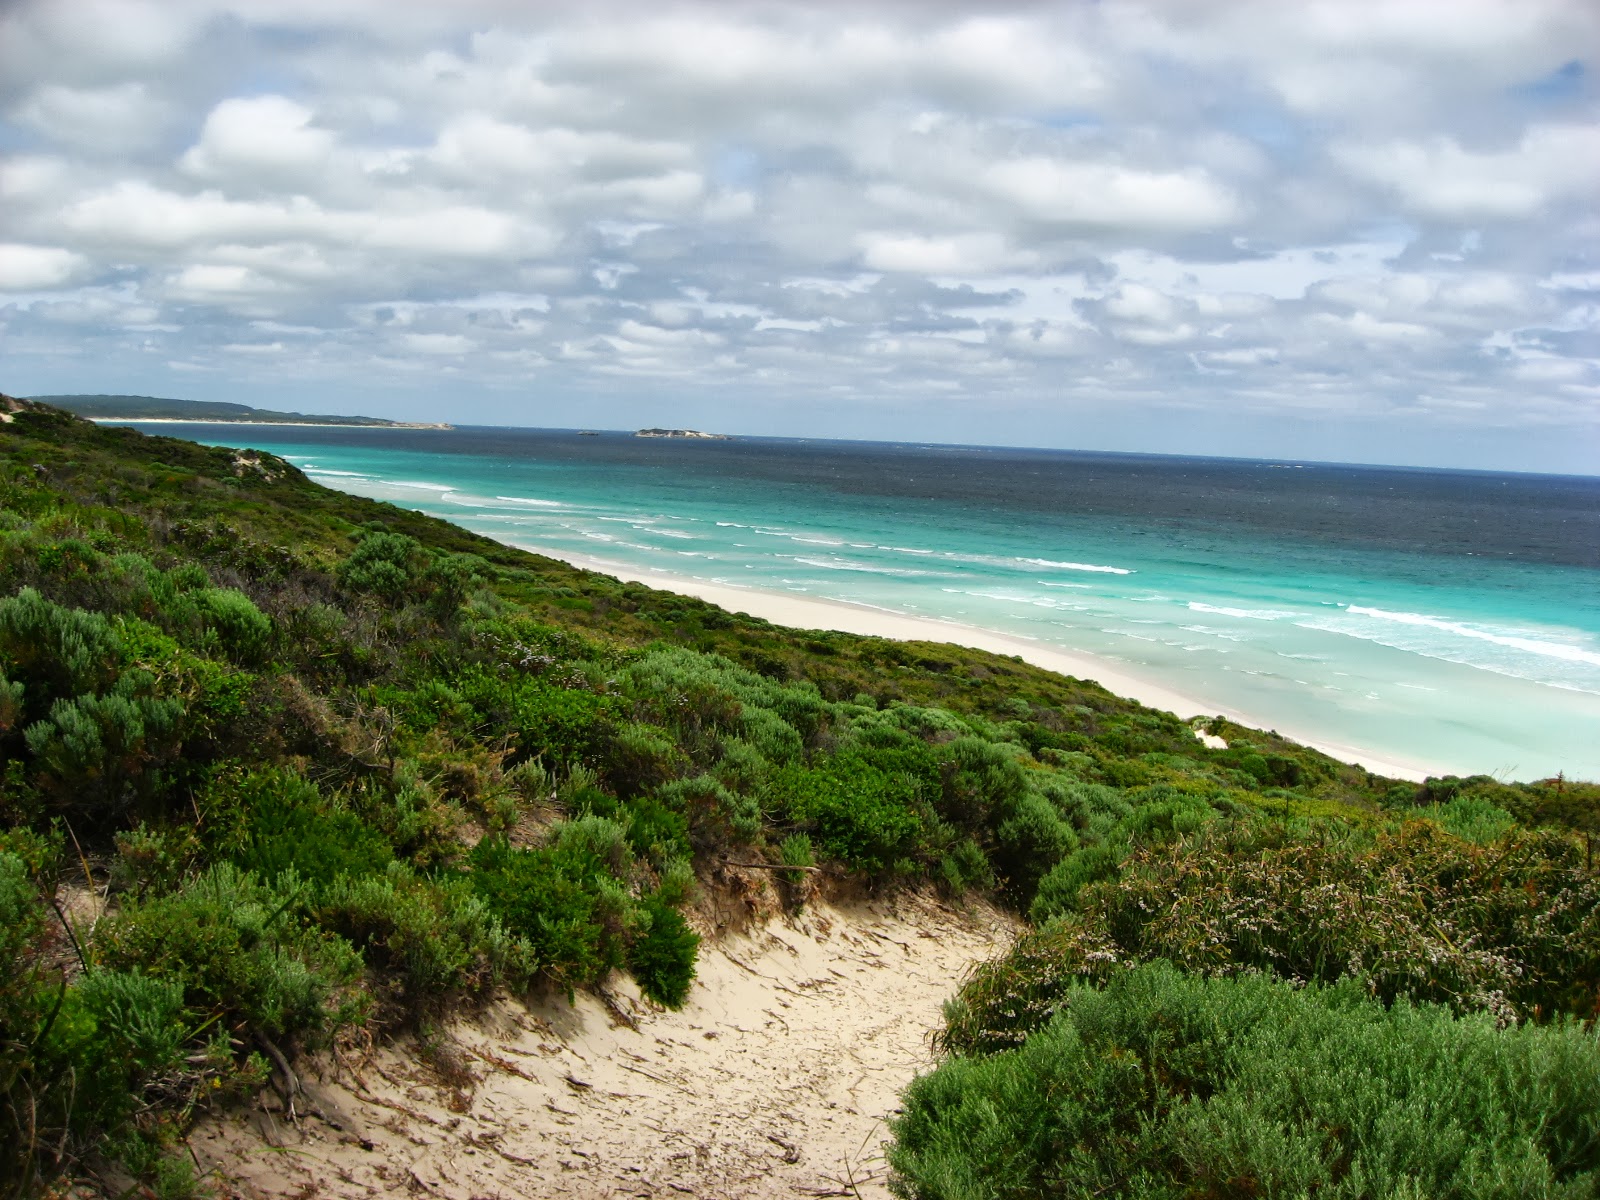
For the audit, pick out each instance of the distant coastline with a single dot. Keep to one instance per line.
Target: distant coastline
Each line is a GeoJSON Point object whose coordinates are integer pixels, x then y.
{"type": "Point", "coordinates": [290, 424]}
{"type": "Point", "coordinates": [683, 433]}
{"type": "Point", "coordinates": [165, 410]}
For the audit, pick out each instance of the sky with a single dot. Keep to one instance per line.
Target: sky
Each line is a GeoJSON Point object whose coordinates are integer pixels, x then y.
{"type": "Point", "coordinates": [1324, 229]}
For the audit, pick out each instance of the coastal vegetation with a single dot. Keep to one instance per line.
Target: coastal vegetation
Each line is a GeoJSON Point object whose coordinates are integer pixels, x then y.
{"type": "Point", "coordinates": [285, 767]}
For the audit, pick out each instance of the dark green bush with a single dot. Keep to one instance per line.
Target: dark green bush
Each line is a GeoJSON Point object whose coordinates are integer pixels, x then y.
{"type": "Point", "coordinates": [434, 936]}
{"type": "Point", "coordinates": [276, 821]}
{"type": "Point", "coordinates": [56, 653]}
{"type": "Point", "coordinates": [242, 629]}
{"type": "Point", "coordinates": [384, 564]}
{"type": "Point", "coordinates": [564, 900]}
{"type": "Point", "coordinates": [854, 812]}
{"type": "Point", "coordinates": [93, 752]}
{"type": "Point", "coordinates": [662, 958]}
{"type": "Point", "coordinates": [1169, 1085]}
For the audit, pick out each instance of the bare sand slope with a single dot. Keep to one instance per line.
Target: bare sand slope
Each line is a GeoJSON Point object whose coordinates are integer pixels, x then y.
{"type": "Point", "coordinates": [772, 1081]}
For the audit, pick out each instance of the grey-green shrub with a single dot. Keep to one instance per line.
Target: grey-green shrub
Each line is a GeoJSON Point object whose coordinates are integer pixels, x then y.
{"type": "Point", "coordinates": [1166, 1085]}
{"type": "Point", "coordinates": [242, 629]}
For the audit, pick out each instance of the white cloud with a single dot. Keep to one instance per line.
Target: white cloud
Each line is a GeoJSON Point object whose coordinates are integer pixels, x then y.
{"type": "Point", "coordinates": [1439, 178]}
{"type": "Point", "coordinates": [25, 268]}
{"type": "Point", "coordinates": [266, 138]}
{"type": "Point", "coordinates": [1338, 206]}
{"type": "Point", "coordinates": [1097, 196]}
{"type": "Point", "coordinates": [963, 254]}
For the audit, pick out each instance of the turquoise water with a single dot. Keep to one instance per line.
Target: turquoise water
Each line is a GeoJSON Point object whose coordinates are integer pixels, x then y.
{"type": "Point", "coordinates": [1466, 661]}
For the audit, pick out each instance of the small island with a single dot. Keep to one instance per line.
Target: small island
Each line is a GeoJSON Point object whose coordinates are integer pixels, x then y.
{"type": "Point", "coordinates": [683, 433]}
{"type": "Point", "coordinates": [156, 408]}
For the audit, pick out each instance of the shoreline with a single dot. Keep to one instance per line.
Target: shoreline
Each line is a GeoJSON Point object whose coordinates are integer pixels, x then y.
{"type": "Point", "coordinates": [810, 612]}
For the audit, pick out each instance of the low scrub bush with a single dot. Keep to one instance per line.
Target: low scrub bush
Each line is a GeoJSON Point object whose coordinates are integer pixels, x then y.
{"type": "Point", "coordinates": [243, 951]}
{"type": "Point", "coordinates": [1169, 1085]}
{"type": "Point", "coordinates": [854, 812]}
{"type": "Point", "coordinates": [432, 937]}
{"type": "Point", "coordinates": [276, 821]}
{"type": "Point", "coordinates": [1511, 927]}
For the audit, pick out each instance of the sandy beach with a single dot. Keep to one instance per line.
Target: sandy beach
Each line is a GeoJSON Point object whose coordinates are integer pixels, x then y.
{"type": "Point", "coordinates": [807, 612]}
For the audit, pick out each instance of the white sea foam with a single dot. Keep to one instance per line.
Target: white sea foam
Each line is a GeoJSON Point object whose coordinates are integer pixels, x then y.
{"type": "Point", "coordinates": [442, 488]}
{"type": "Point", "coordinates": [1077, 566]}
{"type": "Point", "coordinates": [1511, 652]}
{"type": "Point", "coordinates": [310, 470]}
{"type": "Point", "coordinates": [844, 564]}
{"type": "Point", "coordinates": [532, 501]}
{"type": "Point", "coordinates": [1252, 614]}
{"type": "Point", "coordinates": [1517, 641]}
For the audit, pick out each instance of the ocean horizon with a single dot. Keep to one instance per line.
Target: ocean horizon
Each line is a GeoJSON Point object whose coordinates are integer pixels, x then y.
{"type": "Point", "coordinates": [1448, 619]}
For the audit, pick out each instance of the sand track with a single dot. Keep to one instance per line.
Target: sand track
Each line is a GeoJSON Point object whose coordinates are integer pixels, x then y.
{"type": "Point", "coordinates": [772, 1081]}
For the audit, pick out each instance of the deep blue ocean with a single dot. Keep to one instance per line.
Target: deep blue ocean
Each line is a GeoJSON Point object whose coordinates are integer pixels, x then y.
{"type": "Point", "coordinates": [1445, 618]}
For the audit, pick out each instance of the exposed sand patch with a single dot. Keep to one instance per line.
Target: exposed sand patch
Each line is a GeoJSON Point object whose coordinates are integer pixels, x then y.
{"type": "Point", "coordinates": [772, 1081]}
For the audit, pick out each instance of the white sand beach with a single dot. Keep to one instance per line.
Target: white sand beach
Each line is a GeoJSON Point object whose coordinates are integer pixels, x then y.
{"type": "Point", "coordinates": [809, 612]}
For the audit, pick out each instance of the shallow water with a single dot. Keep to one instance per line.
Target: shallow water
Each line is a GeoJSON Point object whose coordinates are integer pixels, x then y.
{"type": "Point", "coordinates": [1451, 618]}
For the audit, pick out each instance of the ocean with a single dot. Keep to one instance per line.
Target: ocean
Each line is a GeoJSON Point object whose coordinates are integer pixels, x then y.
{"type": "Point", "coordinates": [1449, 619]}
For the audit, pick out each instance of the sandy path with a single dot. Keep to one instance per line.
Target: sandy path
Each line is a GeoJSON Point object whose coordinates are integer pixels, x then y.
{"type": "Point", "coordinates": [772, 1081]}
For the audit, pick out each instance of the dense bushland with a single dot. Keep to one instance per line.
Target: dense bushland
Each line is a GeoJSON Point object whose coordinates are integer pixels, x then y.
{"type": "Point", "coordinates": [280, 764]}
{"type": "Point", "coordinates": [1166, 1084]}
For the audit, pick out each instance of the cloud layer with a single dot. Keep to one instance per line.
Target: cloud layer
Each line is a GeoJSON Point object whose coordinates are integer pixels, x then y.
{"type": "Point", "coordinates": [1337, 229]}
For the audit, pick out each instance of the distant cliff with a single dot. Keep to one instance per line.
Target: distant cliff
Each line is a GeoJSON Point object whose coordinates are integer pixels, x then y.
{"type": "Point", "coordinates": [154, 408]}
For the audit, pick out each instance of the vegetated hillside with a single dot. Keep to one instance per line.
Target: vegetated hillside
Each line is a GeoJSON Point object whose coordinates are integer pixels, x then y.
{"type": "Point", "coordinates": [284, 766]}
{"type": "Point", "coordinates": [133, 408]}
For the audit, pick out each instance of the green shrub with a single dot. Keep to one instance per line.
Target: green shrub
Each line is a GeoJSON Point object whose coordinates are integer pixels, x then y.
{"type": "Point", "coordinates": [662, 958]}
{"type": "Point", "coordinates": [242, 950]}
{"type": "Point", "coordinates": [1058, 890]}
{"type": "Point", "coordinates": [1168, 1085]}
{"type": "Point", "coordinates": [93, 751]}
{"type": "Point", "coordinates": [642, 757]}
{"type": "Point", "coordinates": [280, 822]}
{"type": "Point", "coordinates": [555, 900]}
{"type": "Point", "coordinates": [436, 936]}
{"type": "Point", "coordinates": [1512, 927]}
{"type": "Point", "coordinates": [855, 812]}
{"type": "Point", "coordinates": [55, 652]}
{"type": "Point", "coordinates": [383, 564]}
{"type": "Point", "coordinates": [715, 817]}
{"type": "Point", "coordinates": [559, 725]}
{"type": "Point", "coordinates": [242, 629]}
{"type": "Point", "coordinates": [1473, 819]}
{"type": "Point", "coordinates": [1030, 840]}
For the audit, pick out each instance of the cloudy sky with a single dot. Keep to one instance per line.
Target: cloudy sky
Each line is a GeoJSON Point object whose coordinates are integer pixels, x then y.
{"type": "Point", "coordinates": [1326, 229]}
